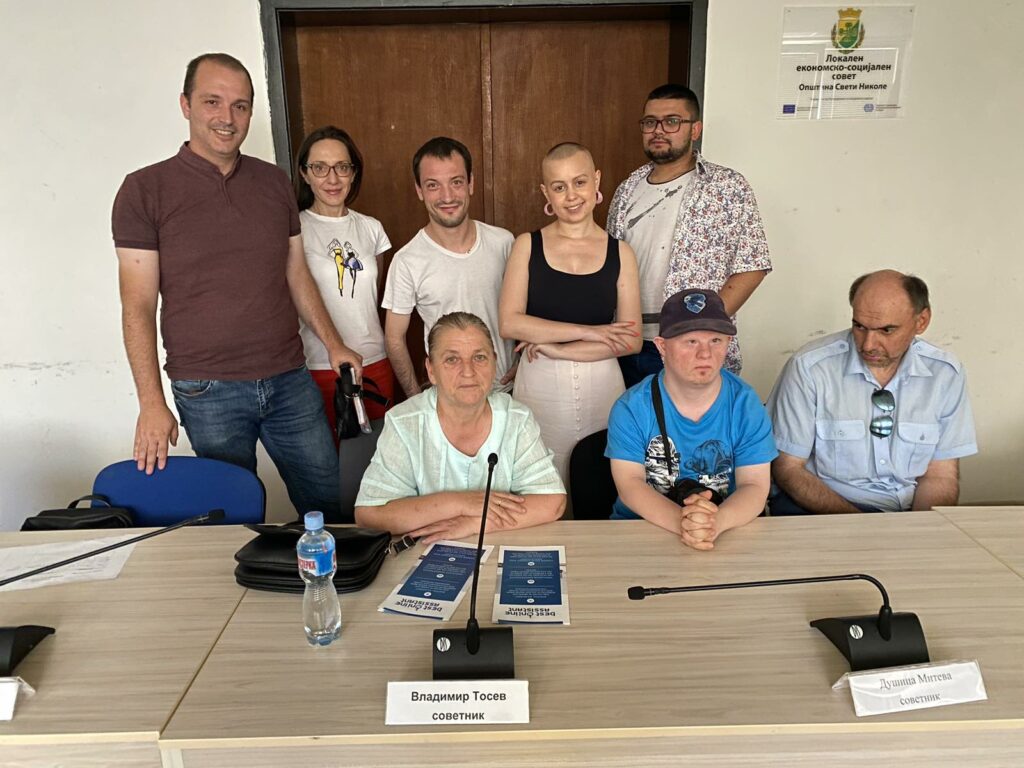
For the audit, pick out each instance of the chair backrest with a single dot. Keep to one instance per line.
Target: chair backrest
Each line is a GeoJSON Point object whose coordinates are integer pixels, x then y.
{"type": "Point", "coordinates": [187, 486]}
{"type": "Point", "coordinates": [354, 456]}
{"type": "Point", "coordinates": [591, 486]}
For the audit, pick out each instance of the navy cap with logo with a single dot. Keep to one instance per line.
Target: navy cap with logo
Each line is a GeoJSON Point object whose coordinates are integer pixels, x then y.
{"type": "Point", "coordinates": [695, 309]}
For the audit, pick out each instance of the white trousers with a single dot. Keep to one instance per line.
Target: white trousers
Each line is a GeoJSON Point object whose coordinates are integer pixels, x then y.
{"type": "Point", "coordinates": [570, 400]}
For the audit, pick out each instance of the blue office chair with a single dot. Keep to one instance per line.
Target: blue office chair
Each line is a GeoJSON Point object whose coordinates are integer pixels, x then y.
{"type": "Point", "coordinates": [187, 486]}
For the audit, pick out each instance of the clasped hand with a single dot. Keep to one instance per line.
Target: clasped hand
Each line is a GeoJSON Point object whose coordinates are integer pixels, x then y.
{"type": "Point", "coordinates": [698, 522]}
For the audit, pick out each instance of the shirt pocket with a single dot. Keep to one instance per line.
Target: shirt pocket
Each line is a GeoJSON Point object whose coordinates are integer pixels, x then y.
{"type": "Point", "coordinates": [841, 451]}
{"type": "Point", "coordinates": [914, 448]}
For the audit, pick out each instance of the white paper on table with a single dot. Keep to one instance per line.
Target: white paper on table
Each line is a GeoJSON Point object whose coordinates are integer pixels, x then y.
{"type": "Point", "coordinates": [10, 687]}
{"type": "Point", "coordinates": [15, 560]}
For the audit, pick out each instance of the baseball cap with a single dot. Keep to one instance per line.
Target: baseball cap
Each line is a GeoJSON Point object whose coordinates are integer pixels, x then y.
{"type": "Point", "coordinates": [694, 309]}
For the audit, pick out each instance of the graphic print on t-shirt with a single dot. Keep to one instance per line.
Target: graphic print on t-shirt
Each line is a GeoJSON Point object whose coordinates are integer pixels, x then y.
{"type": "Point", "coordinates": [710, 465]}
{"type": "Point", "coordinates": [631, 220]}
{"type": "Point", "coordinates": [346, 260]}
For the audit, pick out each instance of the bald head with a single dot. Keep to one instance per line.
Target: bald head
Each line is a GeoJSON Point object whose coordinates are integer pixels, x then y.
{"type": "Point", "coordinates": [565, 151]}
{"type": "Point", "coordinates": [889, 280]}
{"type": "Point", "coordinates": [889, 310]}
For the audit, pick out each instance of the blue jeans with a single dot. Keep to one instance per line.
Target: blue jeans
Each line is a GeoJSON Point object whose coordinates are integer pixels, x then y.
{"type": "Point", "coordinates": [635, 368]}
{"type": "Point", "coordinates": [224, 419]}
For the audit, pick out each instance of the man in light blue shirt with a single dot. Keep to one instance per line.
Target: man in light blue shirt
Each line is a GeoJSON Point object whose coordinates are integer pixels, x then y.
{"type": "Point", "coordinates": [872, 418]}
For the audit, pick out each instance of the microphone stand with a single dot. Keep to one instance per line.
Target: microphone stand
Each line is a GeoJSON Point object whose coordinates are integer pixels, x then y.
{"type": "Point", "coordinates": [17, 642]}
{"type": "Point", "coordinates": [474, 653]}
{"type": "Point", "coordinates": [868, 642]}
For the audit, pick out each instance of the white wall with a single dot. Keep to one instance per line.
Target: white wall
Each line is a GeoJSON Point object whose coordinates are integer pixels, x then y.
{"type": "Point", "coordinates": [91, 94]}
{"type": "Point", "coordinates": [936, 192]}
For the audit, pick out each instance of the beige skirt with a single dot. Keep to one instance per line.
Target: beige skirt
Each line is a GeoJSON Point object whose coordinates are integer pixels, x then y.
{"type": "Point", "coordinates": [570, 400]}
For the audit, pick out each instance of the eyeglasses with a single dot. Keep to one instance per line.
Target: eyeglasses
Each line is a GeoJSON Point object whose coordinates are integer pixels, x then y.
{"type": "Point", "coordinates": [668, 124]}
{"type": "Point", "coordinates": [320, 170]}
{"type": "Point", "coordinates": [881, 426]}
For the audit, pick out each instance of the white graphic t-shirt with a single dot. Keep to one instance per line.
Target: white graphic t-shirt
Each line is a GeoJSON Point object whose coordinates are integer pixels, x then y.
{"type": "Point", "coordinates": [342, 256]}
{"type": "Point", "coordinates": [650, 222]}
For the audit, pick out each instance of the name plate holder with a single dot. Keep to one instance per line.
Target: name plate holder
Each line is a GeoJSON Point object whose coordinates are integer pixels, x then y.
{"type": "Point", "coordinates": [10, 687]}
{"type": "Point", "coordinates": [916, 686]}
{"type": "Point", "coordinates": [458, 702]}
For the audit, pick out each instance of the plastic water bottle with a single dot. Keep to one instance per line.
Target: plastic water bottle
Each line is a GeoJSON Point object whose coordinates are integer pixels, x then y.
{"type": "Point", "coordinates": [321, 611]}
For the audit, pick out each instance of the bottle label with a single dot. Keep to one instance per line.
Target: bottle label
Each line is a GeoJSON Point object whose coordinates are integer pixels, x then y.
{"type": "Point", "coordinates": [318, 564]}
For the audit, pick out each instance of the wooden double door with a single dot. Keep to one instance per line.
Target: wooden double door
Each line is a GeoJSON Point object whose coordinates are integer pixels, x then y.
{"type": "Point", "coordinates": [508, 83]}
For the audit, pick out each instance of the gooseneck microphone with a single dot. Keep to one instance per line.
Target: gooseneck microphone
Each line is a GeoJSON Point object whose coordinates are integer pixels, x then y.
{"type": "Point", "coordinates": [213, 516]}
{"type": "Point", "coordinates": [16, 642]}
{"type": "Point", "coordinates": [868, 642]}
{"type": "Point", "coordinates": [474, 653]}
{"type": "Point", "coordinates": [472, 626]}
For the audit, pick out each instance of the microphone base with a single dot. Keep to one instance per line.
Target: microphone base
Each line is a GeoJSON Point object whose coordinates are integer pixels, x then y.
{"type": "Point", "coordinates": [857, 638]}
{"type": "Point", "coordinates": [17, 642]}
{"type": "Point", "coordinates": [495, 659]}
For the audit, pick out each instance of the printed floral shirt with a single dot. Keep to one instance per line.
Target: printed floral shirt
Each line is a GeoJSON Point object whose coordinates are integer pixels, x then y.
{"type": "Point", "coordinates": [718, 232]}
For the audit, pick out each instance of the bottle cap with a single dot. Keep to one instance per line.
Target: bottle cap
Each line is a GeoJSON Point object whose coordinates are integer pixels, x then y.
{"type": "Point", "coordinates": [314, 521]}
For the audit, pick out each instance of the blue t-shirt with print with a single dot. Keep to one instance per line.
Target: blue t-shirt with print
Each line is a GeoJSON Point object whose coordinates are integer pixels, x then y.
{"type": "Point", "coordinates": [735, 432]}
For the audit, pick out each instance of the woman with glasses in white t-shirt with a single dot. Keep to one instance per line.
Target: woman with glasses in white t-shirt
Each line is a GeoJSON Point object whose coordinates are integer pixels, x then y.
{"type": "Point", "coordinates": [342, 250]}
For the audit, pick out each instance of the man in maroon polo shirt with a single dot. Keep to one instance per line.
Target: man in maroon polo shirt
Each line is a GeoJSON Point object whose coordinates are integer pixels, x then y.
{"type": "Point", "coordinates": [215, 234]}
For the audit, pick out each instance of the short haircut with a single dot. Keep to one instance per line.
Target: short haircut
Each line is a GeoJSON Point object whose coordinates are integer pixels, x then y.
{"type": "Point", "coordinates": [442, 148]}
{"type": "Point", "coordinates": [566, 149]}
{"type": "Point", "coordinates": [225, 60]}
{"type": "Point", "coordinates": [676, 91]}
{"type": "Point", "coordinates": [460, 321]}
{"type": "Point", "coordinates": [303, 192]}
{"type": "Point", "coordinates": [915, 287]}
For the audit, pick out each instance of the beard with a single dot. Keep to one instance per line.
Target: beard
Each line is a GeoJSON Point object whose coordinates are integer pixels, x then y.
{"type": "Point", "coordinates": [668, 155]}
{"type": "Point", "coordinates": [449, 222]}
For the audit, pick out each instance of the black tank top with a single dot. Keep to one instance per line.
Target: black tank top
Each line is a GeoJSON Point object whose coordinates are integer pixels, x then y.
{"type": "Point", "coordinates": [582, 299]}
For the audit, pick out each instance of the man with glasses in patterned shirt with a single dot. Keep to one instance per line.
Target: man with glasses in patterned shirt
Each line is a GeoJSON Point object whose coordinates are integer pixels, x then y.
{"type": "Point", "coordinates": [872, 419]}
{"type": "Point", "coordinates": [692, 224]}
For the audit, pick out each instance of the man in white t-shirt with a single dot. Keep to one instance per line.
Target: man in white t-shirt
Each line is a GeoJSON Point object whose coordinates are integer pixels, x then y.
{"type": "Point", "coordinates": [692, 223]}
{"type": "Point", "coordinates": [453, 264]}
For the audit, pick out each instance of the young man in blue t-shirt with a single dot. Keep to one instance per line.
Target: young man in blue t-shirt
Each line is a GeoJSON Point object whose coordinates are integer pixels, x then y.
{"type": "Point", "coordinates": [718, 432]}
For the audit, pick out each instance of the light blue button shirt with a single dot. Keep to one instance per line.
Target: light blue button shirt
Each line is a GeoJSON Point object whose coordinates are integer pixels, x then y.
{"type": "Point", "coordinates": [821, 410]}
{"type": "Point", "coordinates": [414, 458]}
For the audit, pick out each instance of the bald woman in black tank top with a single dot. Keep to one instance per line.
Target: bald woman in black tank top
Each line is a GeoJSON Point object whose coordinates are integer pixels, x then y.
{"type": "Point", "coordinates": [572, 302]}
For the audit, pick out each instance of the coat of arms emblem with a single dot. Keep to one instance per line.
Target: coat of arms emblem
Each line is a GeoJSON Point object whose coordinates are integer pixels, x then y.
{"type": "Point", "coordinates": [848, 32]}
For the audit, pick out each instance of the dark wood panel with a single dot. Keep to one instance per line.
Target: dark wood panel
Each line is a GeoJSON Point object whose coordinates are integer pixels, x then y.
{"type": "Point", "coordinates": [580, 81]}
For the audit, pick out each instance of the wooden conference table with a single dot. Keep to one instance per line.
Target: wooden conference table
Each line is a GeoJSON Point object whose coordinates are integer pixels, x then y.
{"type": "Point", "coordinates": [718, 678]}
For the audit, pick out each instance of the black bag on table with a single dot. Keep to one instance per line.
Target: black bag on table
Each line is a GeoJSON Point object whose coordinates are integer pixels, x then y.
{"type": "Point", "coordinates": [72, 518]}
{"type": "Point", "coordinates": [269, 561]}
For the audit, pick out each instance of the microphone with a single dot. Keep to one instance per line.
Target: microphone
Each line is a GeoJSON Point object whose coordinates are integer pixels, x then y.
{"type": "Point", "coordinates": [17, 642]}
{"type": "Point", "coordinates": [474, 653]}
{"type": "Point", "coordinates": [868, 642]}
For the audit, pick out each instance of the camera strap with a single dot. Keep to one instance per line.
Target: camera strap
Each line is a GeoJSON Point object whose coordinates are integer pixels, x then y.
{"type": "Point", "coordinates": [659, 412]}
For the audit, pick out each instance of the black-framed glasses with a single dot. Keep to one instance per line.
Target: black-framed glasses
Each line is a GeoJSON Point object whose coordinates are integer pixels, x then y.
{"type": "Point", "coordinates": [320, 170]}
{"type": "Point", "coordinates": [881, 426]}
{"type": "Point", "coordinates": [668, 124]}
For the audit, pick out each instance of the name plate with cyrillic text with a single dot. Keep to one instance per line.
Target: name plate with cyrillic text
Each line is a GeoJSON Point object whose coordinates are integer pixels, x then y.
{"type": "Point", "coordinates": [458, 702]}
{"type": "Point", "coordinates": [900, 689]}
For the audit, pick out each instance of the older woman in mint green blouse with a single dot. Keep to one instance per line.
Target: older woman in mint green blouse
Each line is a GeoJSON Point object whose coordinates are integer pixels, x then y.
{"type": "Point", "coordinates": [428, 475]}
